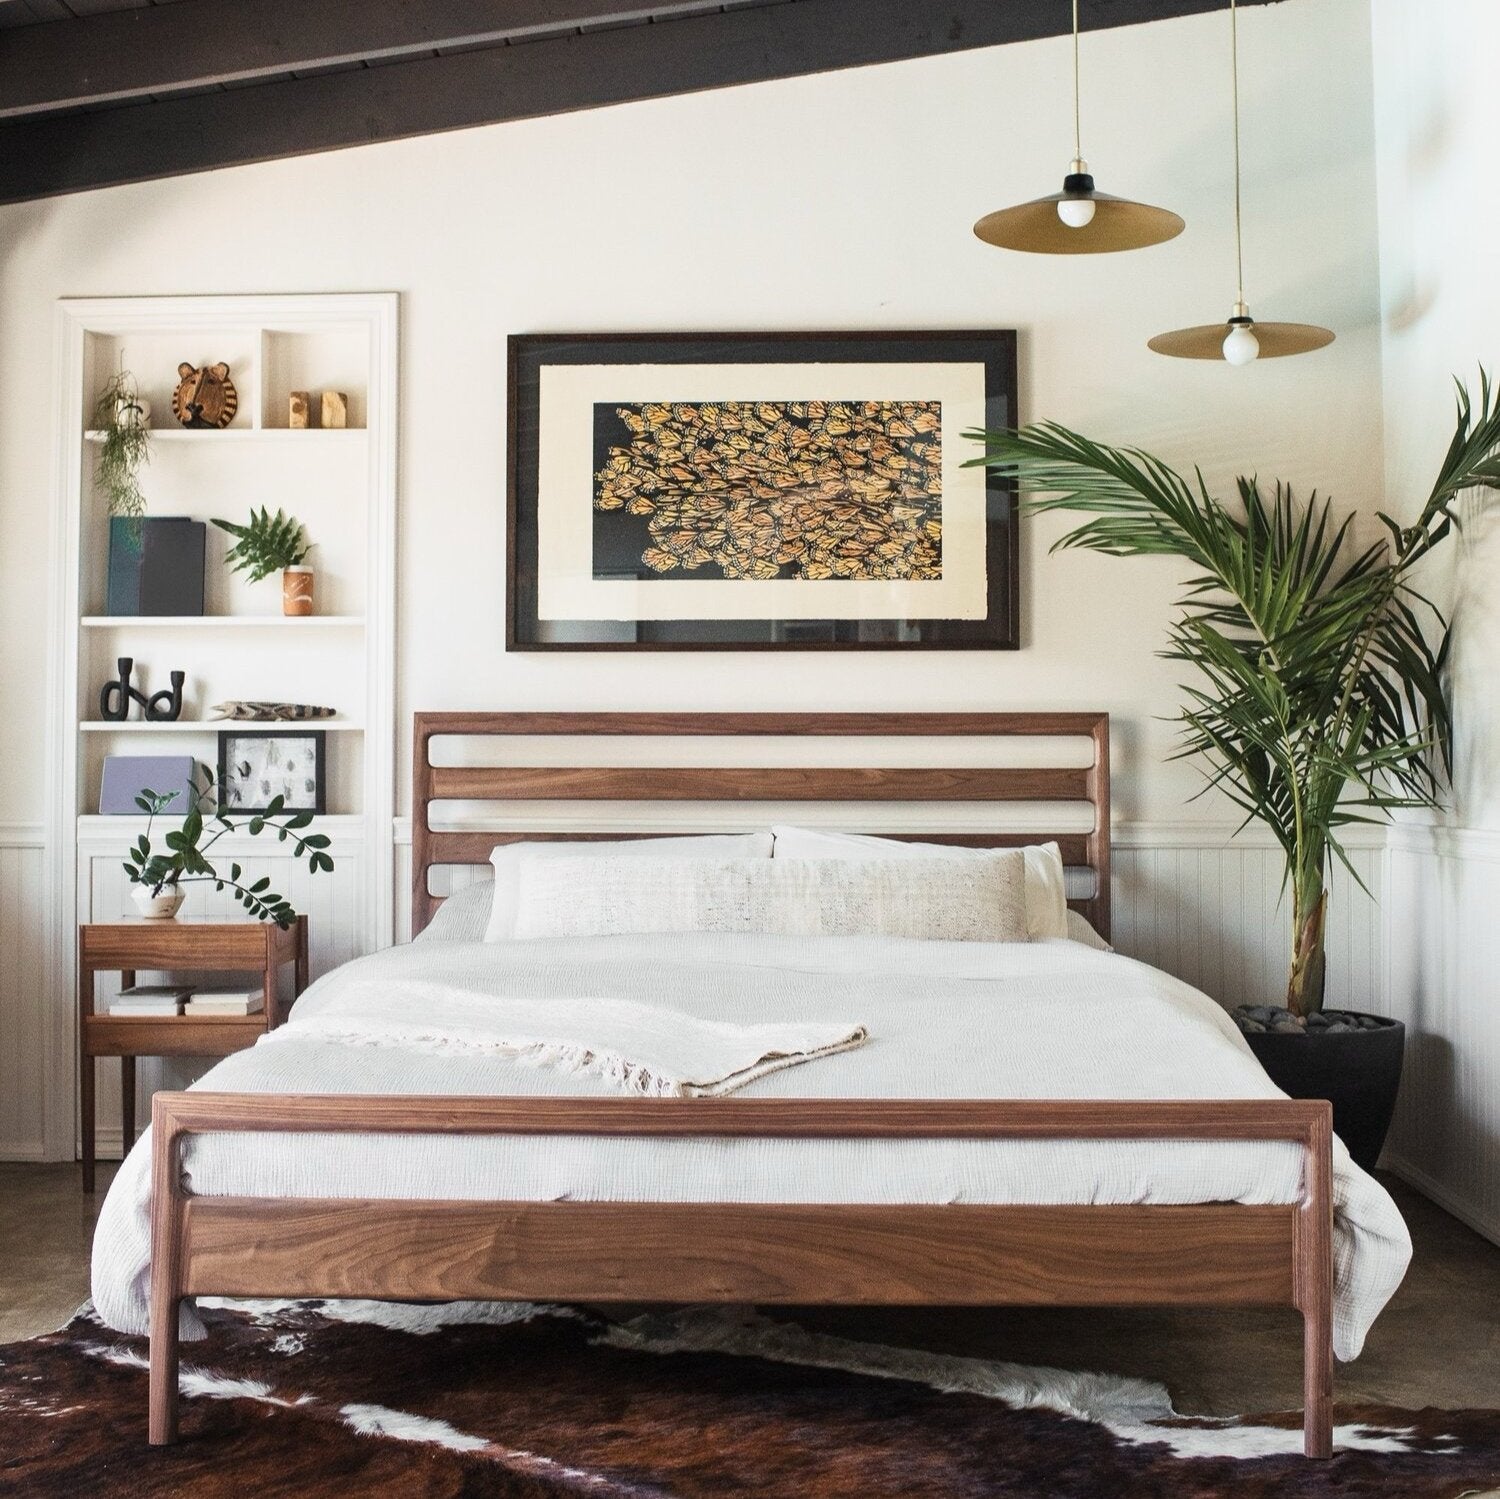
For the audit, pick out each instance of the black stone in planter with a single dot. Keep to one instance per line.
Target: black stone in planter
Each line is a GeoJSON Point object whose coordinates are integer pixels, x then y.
{"type": "Point", "coordinates": [1357, 1071]}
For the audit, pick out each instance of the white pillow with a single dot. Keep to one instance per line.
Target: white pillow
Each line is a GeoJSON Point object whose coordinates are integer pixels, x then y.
{"type": "Point", "coordinates": [937, 899]}
{"type": "Point", "coordinates": [508, 857]}
{"type": "Point", "coordinates": [1080, 929]}
{"type": "Point", "coordinates": [1046, 888]}
{"type": "Point", "coordinates": [463, 916]}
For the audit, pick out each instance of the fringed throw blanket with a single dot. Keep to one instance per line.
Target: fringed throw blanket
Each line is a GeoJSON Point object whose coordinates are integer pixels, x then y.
{"type": "Point", "coordinates": [642, 1049]}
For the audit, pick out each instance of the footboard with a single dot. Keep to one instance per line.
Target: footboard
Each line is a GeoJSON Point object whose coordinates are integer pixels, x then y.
{"type": "Point", "coordinates": [919, 1254]}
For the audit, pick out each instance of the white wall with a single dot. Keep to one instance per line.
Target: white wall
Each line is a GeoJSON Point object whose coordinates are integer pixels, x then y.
{"type": "Point", "coordinates": [835, 201]}
{"type": "Point", "coordinates": [1437, 117]}
{"type": "Point", "coordinates": [841, 201]}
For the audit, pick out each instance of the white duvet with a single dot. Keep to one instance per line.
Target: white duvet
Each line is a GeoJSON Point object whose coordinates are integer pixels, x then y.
{"type": "Point", "coordinates": [945, 1020]}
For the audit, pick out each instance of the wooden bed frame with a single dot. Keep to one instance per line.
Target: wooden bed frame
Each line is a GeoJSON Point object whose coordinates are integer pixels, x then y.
{"type": "Point", "coordinates": [1212, 1254]}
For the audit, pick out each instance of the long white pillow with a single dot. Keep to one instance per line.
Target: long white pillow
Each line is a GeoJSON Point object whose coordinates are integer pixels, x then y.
{"type": "Point", "coordinates": [1046, 888]}
{"type": "Point", "coordinates": [936, 899]}
{"type": "Point", "coordinates": [508, 858]}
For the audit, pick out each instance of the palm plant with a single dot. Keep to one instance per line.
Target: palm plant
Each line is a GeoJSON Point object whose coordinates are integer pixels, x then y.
{"type": "Point", "coordinates": [1320, 701]}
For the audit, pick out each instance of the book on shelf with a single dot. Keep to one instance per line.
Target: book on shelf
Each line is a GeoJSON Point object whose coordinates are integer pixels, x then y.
{"type": "Point", "coordinates": [150, 999]}
{"type": "Point", "coordinates": [225, 1002]}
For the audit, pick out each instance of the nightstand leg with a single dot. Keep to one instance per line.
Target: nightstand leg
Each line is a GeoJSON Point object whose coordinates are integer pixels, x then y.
{"type": "Point", "coordinates": [301, 970]}
{"type": "Point", "coordinates": [86, 1066]}
{"type": "Point", "coordinates": [127, 1105]}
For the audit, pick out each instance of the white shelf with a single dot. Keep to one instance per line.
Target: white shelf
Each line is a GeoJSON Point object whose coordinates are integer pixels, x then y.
{"type": "Point", "coordinates": [222, 621]}
{"type": "Point", "coordinates": [246, 434]}
{"type": "Point", "coordinates": [132, 824]}
{"type": "Point", "coordinates": [207, 725]}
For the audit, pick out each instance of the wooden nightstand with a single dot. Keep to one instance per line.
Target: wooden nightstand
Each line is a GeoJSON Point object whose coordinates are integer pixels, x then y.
{"type": "Point", "coordinates": [195, 942]}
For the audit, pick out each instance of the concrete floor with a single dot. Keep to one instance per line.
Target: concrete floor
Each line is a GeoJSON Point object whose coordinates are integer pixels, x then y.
{"type": "Point", "coordinates": [1437, 1343]}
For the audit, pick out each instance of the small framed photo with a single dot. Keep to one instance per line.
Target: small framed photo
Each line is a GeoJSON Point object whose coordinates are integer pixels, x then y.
{"type": "Point", "coordinates": [257, 765]}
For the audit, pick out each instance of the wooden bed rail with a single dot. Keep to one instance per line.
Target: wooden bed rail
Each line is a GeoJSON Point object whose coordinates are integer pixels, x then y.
{"type": "Point", "coordinates": [892, 1254]}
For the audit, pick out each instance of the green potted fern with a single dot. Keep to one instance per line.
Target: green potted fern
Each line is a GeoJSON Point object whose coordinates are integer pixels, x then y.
{"type": "Point", "coordinates": [1317, 701]}
{"type": "Point", "coordinates": [269, 544]}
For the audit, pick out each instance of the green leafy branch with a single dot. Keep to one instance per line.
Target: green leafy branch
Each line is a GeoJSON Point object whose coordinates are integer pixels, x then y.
{"type": "Point", "coordinates": [185, 859]}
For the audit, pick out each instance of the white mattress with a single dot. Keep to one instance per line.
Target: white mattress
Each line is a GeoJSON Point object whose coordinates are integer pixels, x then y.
{"type": "Point", "coordinates": [946, 1020]}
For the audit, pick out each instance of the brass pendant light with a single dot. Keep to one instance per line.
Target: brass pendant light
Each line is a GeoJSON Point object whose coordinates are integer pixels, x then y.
{"type": "Point", "coordinates": [1239, 339]}
{"type": "Point", "coordinates": [1078, 220]}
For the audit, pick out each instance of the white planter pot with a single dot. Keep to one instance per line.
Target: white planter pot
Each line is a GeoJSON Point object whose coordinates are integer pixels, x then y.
{"type": "Point", "coordinates": [136, 413]}
{"type": "Point", "coordinates": [158, 907]}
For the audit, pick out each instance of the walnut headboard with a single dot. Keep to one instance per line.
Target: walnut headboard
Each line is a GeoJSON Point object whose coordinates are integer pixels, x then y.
{"type": "Point", "coordinates": [1086, 849]}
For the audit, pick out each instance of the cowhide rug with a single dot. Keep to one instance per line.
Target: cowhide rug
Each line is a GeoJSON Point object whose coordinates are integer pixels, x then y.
{"type": "Point", "coordinates": [365, 1398]}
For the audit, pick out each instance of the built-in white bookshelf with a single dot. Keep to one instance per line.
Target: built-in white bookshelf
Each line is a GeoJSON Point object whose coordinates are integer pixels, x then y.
{"type": "Point", "coordinates": [339, 482]}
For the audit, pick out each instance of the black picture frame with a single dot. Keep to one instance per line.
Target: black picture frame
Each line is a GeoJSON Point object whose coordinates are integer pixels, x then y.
{"type": "Point", "coordinates": [317, 739]}
{"type": "Point", "coordinates": [529, 354]}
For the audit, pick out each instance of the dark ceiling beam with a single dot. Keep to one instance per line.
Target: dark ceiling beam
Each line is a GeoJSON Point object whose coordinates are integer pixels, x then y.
{"type": "Point", "coordinates": [128, 54]}
{"type": "Point", "coordinates": [754, 43]}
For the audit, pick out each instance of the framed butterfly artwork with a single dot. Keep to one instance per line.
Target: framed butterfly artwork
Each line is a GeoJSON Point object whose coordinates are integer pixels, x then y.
{"type": "Point", "coordinates": [760, 491]}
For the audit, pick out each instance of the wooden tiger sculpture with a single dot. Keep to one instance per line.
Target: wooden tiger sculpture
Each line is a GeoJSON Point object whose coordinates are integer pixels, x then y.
{"type": "Point", "coordinates": [205, 397]}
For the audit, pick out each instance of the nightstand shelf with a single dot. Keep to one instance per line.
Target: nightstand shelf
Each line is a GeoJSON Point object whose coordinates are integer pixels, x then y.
{"type": "Point", "coordinates": [201, 944]}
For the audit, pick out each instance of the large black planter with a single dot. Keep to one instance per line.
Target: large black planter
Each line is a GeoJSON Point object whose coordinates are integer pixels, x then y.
{"type": "Point", "coordinates": [1357, 1071]}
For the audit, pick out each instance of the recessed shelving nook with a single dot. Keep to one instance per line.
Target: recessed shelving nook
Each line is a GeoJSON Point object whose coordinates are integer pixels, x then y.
{"type": "Point", "coordinates": [338, 481]}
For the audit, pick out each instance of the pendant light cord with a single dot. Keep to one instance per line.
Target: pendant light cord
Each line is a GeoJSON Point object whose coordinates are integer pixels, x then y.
{"type": "Point", "coordinates": [1234, 61]}
{"type": "Point", "coordinates": [1077, 114]}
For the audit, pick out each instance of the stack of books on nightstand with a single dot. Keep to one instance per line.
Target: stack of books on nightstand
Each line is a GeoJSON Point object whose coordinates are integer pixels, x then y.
{"type": "Point", "coordinates": [149, 999]}
{"type": "Point", "coordinates": [225, 1002]}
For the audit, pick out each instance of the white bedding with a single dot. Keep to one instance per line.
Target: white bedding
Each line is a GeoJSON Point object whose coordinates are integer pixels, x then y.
{"type": "Point", "coordinates": [945, 1020]}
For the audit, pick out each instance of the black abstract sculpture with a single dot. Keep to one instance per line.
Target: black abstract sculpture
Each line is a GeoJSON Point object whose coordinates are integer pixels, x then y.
{"type": "Point", "coordinates": [116, 697]}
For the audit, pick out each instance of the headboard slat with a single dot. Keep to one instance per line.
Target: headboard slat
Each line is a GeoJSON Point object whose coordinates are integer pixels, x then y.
{"type": "Point", "coordinates": [473, 846]}
{"type": "Point", "coordinates": [589, 784]}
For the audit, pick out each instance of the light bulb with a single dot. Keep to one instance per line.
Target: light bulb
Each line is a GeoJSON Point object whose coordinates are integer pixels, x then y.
{"type": "Point", "coordinates": [1241, 345]}
{"type": "Point", "coordinates": [1075, 212]}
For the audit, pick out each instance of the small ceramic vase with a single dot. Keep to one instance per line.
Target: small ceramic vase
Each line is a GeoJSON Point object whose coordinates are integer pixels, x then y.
{"type": "Point", "coordinates": [297, 590]}
{"type": "Point", "coordinates": [161, 907]}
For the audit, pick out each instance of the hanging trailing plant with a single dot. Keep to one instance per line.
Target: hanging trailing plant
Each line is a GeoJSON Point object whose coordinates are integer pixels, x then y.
{"type": "Point", "coordinates": [121, 415]}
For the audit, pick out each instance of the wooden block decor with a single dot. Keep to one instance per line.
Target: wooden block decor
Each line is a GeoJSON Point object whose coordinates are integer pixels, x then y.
{"type": "Point", "coordinates": [299, 410]}
{"type": "Point", "coordinates": [335, 409]}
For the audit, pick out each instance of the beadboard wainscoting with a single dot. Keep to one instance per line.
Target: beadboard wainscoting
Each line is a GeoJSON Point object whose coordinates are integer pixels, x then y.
{"type": "Point", "coordinates": [25, 1035]}
{"type": "Point", "coordinates": [1445, 984]}
{"type": "Point", "coordinates": [1207, 905]}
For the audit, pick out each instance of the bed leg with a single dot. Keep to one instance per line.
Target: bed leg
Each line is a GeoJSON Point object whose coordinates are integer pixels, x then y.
{"type": "Point", "coordinates": [1317, 1388]}
{"type": "Point", "coordinates": [1314, 1289]}
{"type": "Point", "coordinates": [162, 1418]}
{"type": "Point", "coordinates": [166, 1272]}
